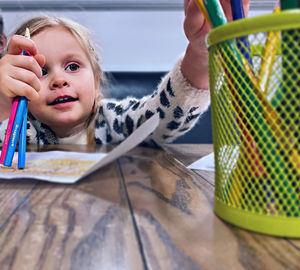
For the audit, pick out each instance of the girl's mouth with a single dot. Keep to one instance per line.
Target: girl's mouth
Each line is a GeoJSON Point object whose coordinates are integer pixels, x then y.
{"type": "Point", "coordinates": [64, 99]}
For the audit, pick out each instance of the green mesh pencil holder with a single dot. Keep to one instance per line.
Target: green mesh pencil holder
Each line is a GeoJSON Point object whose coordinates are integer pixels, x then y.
{"type": "Point", "coordinates": [254, 67]}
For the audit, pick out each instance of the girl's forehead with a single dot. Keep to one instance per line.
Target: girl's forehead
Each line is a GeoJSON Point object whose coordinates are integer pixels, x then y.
{"type": "Point", "coordinates": [53, 31]}
{"type": "Point", "coordinates": [56, 37]}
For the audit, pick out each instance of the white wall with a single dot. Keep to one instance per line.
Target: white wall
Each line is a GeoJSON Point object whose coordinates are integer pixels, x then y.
{"type": "Point", "coordinates": [129, 40]}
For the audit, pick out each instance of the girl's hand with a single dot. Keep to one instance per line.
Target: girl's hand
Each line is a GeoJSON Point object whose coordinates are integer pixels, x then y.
{"type": "Point", "coordinates": [195, 25]}
{"type": "Point", "coordinates": [19, 74]}
{"type": "Point", "coordinates": [195, 62]}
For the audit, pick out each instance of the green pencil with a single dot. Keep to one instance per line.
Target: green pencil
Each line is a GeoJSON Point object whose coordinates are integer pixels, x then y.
{"type": "Point", "coordinates": [215, 12]}
{"type": "Point", "coordinates": [289, 4]}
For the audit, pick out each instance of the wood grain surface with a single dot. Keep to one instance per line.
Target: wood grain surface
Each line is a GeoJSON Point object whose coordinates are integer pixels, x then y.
{"type": "Point", "coordinates": [173, 209]}
{"type": "Point", "coordinates": [83, 226]}
{"type": "Point", "coordinates": [144, 211]}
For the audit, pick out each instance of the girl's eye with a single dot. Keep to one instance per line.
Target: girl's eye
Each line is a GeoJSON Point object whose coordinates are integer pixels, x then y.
{"type": "Point", "coordinates": [72, 67]}
{"type": "Point", "coordinates": [44, 71]}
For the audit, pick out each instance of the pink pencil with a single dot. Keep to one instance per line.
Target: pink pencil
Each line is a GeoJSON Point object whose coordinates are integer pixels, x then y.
{"type": "Point", "coordinates": [9, 128]}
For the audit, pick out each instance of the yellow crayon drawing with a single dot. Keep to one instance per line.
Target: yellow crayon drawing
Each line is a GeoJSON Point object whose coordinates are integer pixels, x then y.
{"type": "Point", "coordinates": [61, 167]}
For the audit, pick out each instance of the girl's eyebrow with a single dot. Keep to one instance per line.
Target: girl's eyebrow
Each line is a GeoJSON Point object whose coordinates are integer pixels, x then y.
{"type": "Point", "coordinates": [71, 55]}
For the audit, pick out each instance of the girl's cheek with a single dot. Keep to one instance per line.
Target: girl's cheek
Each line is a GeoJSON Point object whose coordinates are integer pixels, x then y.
{"type": "Point", "coordinates": [43, 92]}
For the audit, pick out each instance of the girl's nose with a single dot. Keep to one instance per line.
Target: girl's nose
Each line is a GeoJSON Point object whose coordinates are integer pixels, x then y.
{"type": "Point", "coordinates": [59, 83]}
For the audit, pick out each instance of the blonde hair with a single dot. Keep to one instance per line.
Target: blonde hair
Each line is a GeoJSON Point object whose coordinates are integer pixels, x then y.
{"type": "Point", "coordinates": [82, 35]}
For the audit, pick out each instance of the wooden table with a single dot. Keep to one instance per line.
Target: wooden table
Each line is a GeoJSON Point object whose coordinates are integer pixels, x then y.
{"type": "Point", "coordinates": [144, 211]}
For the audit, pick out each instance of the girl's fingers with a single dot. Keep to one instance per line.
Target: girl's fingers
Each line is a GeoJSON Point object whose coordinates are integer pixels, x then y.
{"type": "Point", "coordinates": [194, 20]}
{"type": "Point", "coordinates": [226, 5]}
{"type": "Point", "coordinates": [27, 77]}
{"type": "Point", "coordinates": [19, 43]}
{"type": "Point", "coordinates": [19, 74]}
{"type": "Point", "coordinates": [40, 59]}
{"type": "Point", "coordinates": [185, 4]}
{"type": "Point", "coordinates": [25, 62]}
{"type": "Point", "coordinates": [246, 4]}
{"type": "Point", "coordinates": [16, 87]}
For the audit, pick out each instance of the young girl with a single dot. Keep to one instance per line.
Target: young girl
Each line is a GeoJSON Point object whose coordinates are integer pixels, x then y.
{"type": "Point", "coordinates": [63, 77]}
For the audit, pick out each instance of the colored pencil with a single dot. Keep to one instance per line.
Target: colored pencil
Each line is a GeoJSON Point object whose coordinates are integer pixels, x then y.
{"type": "Point", "coordinates": [9, 128]}
{"type": "Point", "coordinates": [215, 12]}
{"type": "Point", "coordinates": [288, 4]}
{"type": "Point", "coordinates": [15, 132]}
{"type": "Point", "coordinates": [237, 11]}
{"type": "Point", "coordinates": [22, 139]}
{"type": "Point", "coordinates": [268, 58]}
{"type": "Point", "coordinates": [200, 5]}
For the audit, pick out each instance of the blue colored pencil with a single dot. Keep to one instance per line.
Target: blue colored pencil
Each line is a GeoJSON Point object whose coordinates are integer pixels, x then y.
{"type": "Point", "coordinates": [237, 11]}
{"type": "Point", "coordinates": [15, 132]}
{"type": "Point", "coordinates": [22, 141]}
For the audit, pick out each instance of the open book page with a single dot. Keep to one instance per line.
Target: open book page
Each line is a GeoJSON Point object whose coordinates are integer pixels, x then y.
{"type": "Point", "coordinates": [69, 167]}
{"type": "Point", "coordinates": [205, 163]}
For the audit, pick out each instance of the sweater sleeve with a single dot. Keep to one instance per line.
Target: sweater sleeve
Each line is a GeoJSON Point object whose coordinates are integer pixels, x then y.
{"type": "Point", "coordinates": [178, 103]}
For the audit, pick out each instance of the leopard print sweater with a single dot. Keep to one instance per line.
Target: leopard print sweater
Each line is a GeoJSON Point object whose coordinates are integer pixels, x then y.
{"type": "Point", "coordinates": [179, 106]}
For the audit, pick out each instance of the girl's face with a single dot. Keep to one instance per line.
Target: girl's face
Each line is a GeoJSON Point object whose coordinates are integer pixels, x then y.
{"type": "Point", "coordinates": [68, 89]}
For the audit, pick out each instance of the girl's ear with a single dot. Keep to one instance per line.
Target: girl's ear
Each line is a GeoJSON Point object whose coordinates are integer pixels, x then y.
{"type": "Point", "coordinates": [3, 41]}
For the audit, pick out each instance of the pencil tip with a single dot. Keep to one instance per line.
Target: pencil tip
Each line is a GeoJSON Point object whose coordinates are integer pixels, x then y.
{"type": "Point", "coordinates": [27, 33]}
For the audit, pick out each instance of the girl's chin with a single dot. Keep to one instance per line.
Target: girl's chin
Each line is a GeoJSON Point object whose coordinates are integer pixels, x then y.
{"type": "Point", "coordinates": [66, 124]}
